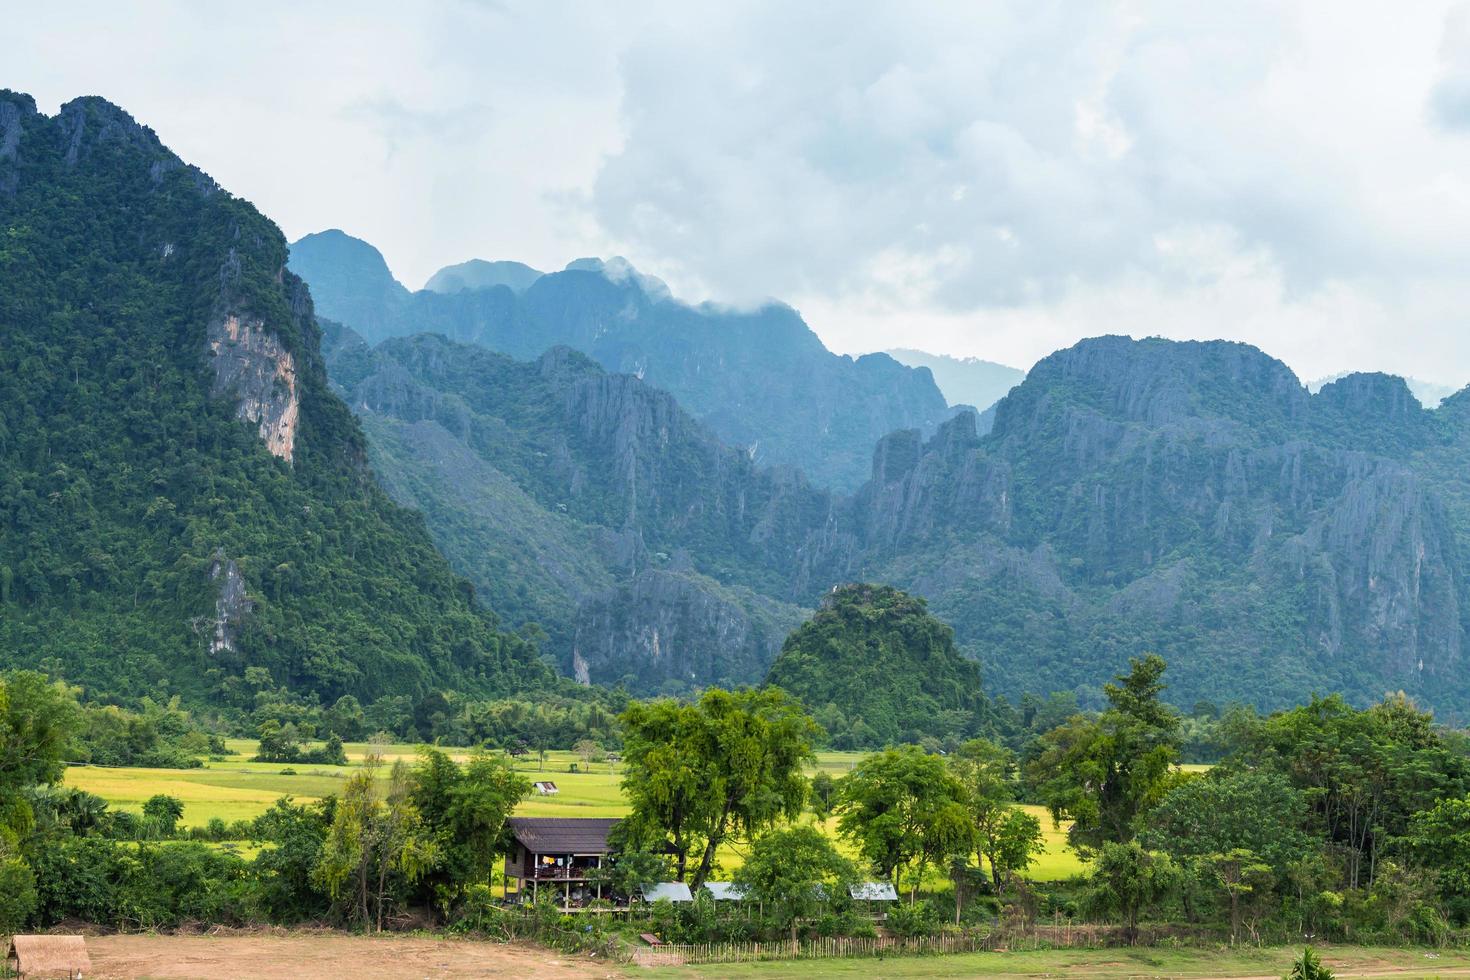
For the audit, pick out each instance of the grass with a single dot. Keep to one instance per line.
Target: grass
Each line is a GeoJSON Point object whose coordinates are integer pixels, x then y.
{"type": "Point", "coordinates": [235, 789]}
{"type": "Point", "coordinates": [1108, 964]}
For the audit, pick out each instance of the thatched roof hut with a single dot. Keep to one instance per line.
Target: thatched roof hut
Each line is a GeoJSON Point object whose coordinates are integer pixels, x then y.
{"type": "Point", "coordinates": [32, 957]}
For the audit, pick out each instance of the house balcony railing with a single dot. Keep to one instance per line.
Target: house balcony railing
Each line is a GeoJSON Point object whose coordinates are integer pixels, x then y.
{"type": "Point", "coordinates": [562, 874]}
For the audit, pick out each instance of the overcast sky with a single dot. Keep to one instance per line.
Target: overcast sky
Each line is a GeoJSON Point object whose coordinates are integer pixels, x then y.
{"type": "Point", "coordinates": [982, 179]}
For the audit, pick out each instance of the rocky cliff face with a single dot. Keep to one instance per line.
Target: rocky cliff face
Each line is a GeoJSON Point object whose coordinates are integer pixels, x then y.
{"type": "Point", "coordinates": [1192, 499]}
{"type": "Point", "coordinates": [667, 630]}
{"type": "Point", "coordinates": [591, 503]}
{"type": "Point", "coordinates": [232, 605]}
{"type": "Point", "coordinates": [252, 367]}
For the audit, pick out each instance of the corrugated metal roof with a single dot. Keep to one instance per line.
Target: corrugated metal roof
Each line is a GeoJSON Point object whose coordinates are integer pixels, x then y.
{"type": "Point", "coordinates": [562, 835]}
{"type": "Point", "coordinates": [674, 891]}
{"type": "Point", "coordinates": [725, 891]}
{"type": "Point", "coordinates": [873, 891]}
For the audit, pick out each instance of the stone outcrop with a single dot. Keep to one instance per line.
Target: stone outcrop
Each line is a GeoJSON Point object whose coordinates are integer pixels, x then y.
{"type": "Point", "coordinates": [253, 367]}
{"type": "Point", "coordinates": [679, 626]}
{"type": "Point", "coordinates": [232, 605]}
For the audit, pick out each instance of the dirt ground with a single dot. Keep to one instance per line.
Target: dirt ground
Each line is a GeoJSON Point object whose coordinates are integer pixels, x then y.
{"type": "Point", "coordinates": [300, 956]}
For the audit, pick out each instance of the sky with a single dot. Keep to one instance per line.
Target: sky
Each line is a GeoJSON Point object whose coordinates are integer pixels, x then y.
{"type": "Point", "coordinates": [981, 179]}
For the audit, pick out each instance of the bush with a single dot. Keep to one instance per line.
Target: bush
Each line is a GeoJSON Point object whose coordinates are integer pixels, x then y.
{"type": "Point", "coordinates": [913, 920]}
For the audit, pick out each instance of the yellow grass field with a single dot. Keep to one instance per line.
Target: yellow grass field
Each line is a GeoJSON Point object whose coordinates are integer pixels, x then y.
{"type": "Point", "coordinates": [236, 789]}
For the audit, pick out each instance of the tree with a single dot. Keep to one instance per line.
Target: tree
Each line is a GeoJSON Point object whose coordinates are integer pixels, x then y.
{"type": "Point", "coordinates": [588, 750]}
{"type": "Point", "coordinates": [1439, 839]}
{"type": "Point", "coordinates": [824, 789]}
{"type": "Point", "coordinates": [1230, 809]}
{"type": "Point", "coordinates": [371, 842]}
{"type": "Point", "coordinates": [38, 720]}
{"type": "Point", "coordinates": [986, 773]}
{"type": "Point", "coordinates": [726, 767]}
{"type": "Point", "coordinates": [480, 801]}
{"type": "Point", "coordinates": [788, 870]}
{"type": "Point", "coordinates": [1243, 876]}
{"type": "Point", "coordinates": [1104, 773]}
{"type": "Point", "coordinates": [904, 810]}
{"type": "Point", "coordinates": [1126, 880]}
{"type": "Point", "coordinates": [465, 810]}
{"type": "Point", "coordinates": [288, 889]}
{"type": "Point", "coordinates": [164, 812]}
{"type": "Point", "coordinates": [1017, 843]}
{"type": "Point", "coordinates": [630, 872]}
{"type": "Point", "coordinates": [1363, 774]}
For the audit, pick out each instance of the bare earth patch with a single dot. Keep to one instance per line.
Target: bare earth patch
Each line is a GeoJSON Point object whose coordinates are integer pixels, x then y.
{"type": "Point", "coordinates": [303, 955]}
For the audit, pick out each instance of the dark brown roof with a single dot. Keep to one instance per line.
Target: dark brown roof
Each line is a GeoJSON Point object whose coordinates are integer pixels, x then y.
{"type": "Point", "coordinates": [562, 835]}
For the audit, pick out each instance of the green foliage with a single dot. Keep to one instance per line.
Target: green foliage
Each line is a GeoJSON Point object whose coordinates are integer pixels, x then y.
{"type": "Point", "coordinates": [1363, 773]}
{"type": "Point", "coordinates": [1227, 809]}
{"type": "Point", "coordinates": [905, 812]}
{"type": "Point", "coordinates": [790, 870]}
{"type": "Point", "coordinates": [1105, 773]}
{"type": "Point", "coordinates": [125, 483]}
{"type": "Point", "coordinates": [1309, 967]}
{"type": "Point", "coordinates": [160, 736]}
{"type": "Point", "coordinates": [465, 808]}
{"type": "Point", "coordinates": [881, 669]}
{"type": "Point", "coordinates": [279, 743]}
{"type": "Point", "coordinates": [164, 812]}
{"type": "Point", "coordinates": [726, 767]}
{"type": "Point", "coordinates": [1439, 839]}
{"type": "Point", "coordinates": [1127, 880]}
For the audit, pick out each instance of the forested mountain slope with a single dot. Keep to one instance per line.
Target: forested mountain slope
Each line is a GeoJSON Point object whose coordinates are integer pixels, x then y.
{"type": "Point", "coordinates": [184, 504]}
{"type": "Point", "coordinates": [1195, 500]}
{"type": "Point", "coordinates": [590, 503]}
{"type": "Point", "coordinates": [759, 378]}
{"type": "Point", "coordinates": [1192, 499]}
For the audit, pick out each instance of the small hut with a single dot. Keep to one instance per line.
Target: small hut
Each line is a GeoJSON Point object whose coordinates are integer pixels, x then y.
{"type": "Point", "coordinates": [545, 787]}
{"type": "Point", "coordinates": [33, 957]}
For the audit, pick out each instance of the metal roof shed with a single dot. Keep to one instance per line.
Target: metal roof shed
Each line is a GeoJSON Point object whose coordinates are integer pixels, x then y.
{"type": "Point", "coordinates": [674, 891]}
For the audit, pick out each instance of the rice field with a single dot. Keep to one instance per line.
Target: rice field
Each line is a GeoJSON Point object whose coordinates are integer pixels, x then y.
{"type": "Point", "coordinates": [235, 789]}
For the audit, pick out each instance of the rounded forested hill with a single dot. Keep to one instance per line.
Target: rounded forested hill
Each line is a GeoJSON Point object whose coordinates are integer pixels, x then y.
{"type": "Point", "coordinates": [876, 667]}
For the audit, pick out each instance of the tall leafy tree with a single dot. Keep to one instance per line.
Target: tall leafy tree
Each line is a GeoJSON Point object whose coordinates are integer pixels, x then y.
{"type": "Point", "coordinates": [986, 773]}
{"type": "Point", "coordinates": [724, 768]}
{"type": "Point", "coordinates": [1103, 773]}
{"type": "Point", "coordinates": [789, 869]}
{"type": "Point", "coordinates": [1363, 773]}
{"type": "Point", "coordinates": [904, 810]}
{"type": "Point", "coordinates": [1126, 880]}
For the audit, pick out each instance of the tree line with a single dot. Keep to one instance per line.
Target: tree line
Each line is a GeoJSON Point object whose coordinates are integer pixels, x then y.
{"type": "Point", "coordinates": [1322, 820]}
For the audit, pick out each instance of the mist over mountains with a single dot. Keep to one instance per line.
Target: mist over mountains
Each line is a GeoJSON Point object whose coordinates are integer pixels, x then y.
{"type": "Point", "coordinates": [759, 379]}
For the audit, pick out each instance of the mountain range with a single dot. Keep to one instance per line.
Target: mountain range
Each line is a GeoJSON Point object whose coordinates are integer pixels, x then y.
{"type": "Point", "coordinates": [760, 379]}
{"type": "Point", "coordinates": [208, 491]}
{"type": "Point", "coordinates": [1193, 499]}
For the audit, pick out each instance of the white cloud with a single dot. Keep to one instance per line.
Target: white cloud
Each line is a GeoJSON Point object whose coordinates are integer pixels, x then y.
{"type": "Point", "coordinates": [990, 179]}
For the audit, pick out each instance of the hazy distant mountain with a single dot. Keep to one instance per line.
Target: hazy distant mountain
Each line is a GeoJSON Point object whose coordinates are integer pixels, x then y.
{"type": "Point", "coordinates": [963, 380]}
{"type": "Point", "coordinates": [1429, 393]}
{"type": "Point", "coordinates": [759, 378]}
{"type": "Point", "coordinates": [479, 274]}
